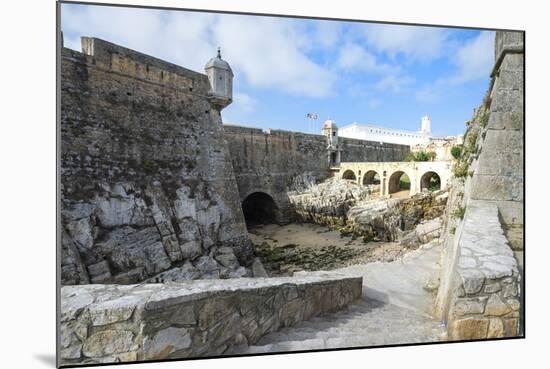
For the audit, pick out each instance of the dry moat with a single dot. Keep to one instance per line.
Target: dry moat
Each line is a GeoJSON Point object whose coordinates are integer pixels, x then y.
{"type": "Point", "coordinates": [285, 249]}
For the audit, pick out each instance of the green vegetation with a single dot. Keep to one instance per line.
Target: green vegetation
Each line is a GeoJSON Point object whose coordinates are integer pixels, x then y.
{"type": "Point", "coordinates": [460, 169]}
{"type": "Point", "coordinates": [435, 183]}
{"type": "Point", "coordinates": [405, 182]}
{"type": "Point", "coordinates": [484, 118]}
{"type": "Point", "coordinates": [452, 230]}
{"type": "Point", "coordinates": [420, 156]}
{"type": "Point", "coordinates": [456, 151]}
{"type": "Point", "coordinates": [458, 213]}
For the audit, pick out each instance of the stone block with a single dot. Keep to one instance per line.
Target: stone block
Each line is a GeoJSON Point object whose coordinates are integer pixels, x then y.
{"type": "Point", "coordinates": [495, 306]}
{"type": "Point", "coordinates": [501, 163]}
{"type": "Point", "coordinates": [163, 343]}
{"type": "Point", "coordinates": [511, 120]}
{"type": "Point", "coordinates": [109, 342]}
{"type": "Point", "coordinates": [469, 328]}
{"type": "Point", "coordinates": [472, 280]}
{"type": "Point", "coordinates": [512, 62]}
{"type": "Point", "coordinates": [510, 80]}
{"type": "Point", "coordinates": [496, 328]}
{"type": "Point", "coordinates": [511, 212]}
{"type": "Point", "coordinates": [115, 310]}
{"type": "Point", "coordinates": [492, 187]}
{"type": "Point", "coordinates": [507, 101]}
{"type": "Point", "coordinates": [511, 327]}
{"type": "Point", "coordinates": [292, 312]}
{"type": "Point", "coordinates": [503, 140]}
{"type": "Point", "coordinates": [469, 306]}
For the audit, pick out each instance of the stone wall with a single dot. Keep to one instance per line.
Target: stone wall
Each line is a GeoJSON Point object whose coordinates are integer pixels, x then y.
{"type": "Point", "coordinates": [277, 161]}
{"type": "Point", "coordinates": [357, 151]}
{"type": "Point", "coordinates": [499, 176]}
{"type": "Point", "coordinates": [485, 301]}
{"type": "Point", "coordinates": [147, 182]}
{"type": "Point", "coordinates": [480, 292]}
{"type": "Point", "coordinates": [112, 323]}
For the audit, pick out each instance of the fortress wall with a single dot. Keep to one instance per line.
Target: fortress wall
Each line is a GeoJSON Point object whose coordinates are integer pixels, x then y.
{"type": "Point", "coordinates": [480, 293]}
{"type": "Point", "coordinates": [113, 323]}
{"type": "Point", "coordinates": [275, 161]}
{"type": "Point", "coordinates": [354, 150]}
{"type": "Point", "coordinates": [146, 179]}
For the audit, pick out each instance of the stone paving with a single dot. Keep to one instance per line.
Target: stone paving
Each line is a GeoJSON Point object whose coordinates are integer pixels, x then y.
{"type": "Point", "coordinates": [395, 309]}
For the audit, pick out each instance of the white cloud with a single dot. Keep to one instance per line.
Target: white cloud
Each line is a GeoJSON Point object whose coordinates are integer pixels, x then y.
{"type": "Point", "coordinates": [475, 59]}
{"type": "Point", "coordinates": [351, 56]}
{"type": "Point", "coordinates": [374, 103]}
{"type": "Point", "coordinates": [267, 52]}
{"type": "Point", "coordinates": [420, 43]}
{"type": "Point", "coordinates": [394, 83]}
{"type": "Point", "coordinates": [244, 102]}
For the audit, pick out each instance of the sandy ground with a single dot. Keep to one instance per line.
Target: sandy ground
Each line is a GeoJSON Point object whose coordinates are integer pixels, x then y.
{"type": "Point", "coordinates": [295, 247]}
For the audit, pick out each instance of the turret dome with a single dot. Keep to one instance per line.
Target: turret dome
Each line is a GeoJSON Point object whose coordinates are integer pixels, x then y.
{"type": "Point", "coordinates": [218, 62]}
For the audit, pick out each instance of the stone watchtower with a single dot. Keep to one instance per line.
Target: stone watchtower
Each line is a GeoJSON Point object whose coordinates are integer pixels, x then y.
{"type": "Point", "coordinates": [330, 131]}
{"type": "Point", "coordinates": [220, 76]}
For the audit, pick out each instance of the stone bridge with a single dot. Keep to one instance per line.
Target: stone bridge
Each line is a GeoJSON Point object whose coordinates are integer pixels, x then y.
{"type": "Point", "coordinates": [388, 174]}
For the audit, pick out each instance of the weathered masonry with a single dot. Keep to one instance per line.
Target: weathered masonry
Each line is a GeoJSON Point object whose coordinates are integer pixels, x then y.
{"type": "Point", "coordinates": [388, 174]}
{"type": "Point", "coordinates": [152, 181]}
{"type": "Point", "coordinates": [147, 182]}
{"type": "Point", "coordinates": [113, 323]}
{"type": "Point", "coordinates": [269, 163]}
{"type": "Point", "coordinates": [480, 295]}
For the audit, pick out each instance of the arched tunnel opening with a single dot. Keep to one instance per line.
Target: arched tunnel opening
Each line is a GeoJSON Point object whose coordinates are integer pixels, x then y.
{"type": "Point", "coordinates": [259, 208]}
{"type": "Point", "coordinates": [430, 181]}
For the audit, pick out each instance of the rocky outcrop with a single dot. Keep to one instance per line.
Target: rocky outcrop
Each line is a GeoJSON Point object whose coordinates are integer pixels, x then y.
{"type": "Point", "coordinates": [113, 323]}
{"type": "Point", "coordinates": [147, 185]}
{"type": "Point", "coordinates": [359, 211]}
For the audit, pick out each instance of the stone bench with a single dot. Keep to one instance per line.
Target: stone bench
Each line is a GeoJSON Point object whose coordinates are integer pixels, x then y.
{"type": "Point", "coordinates": [485, 301]}
{"type": "Point", "coordinates": [113, 323]}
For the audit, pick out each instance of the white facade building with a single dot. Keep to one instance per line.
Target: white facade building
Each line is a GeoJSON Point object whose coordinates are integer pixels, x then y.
{"type": "Point", "coordinates": [389, 135]}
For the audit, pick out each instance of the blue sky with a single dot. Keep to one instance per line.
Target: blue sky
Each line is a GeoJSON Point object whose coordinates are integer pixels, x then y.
{"type": "Point", "coordinates": [388, 75]}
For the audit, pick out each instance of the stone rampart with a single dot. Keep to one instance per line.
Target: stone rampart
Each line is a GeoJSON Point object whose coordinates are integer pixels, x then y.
{"type": "Point", "coordinates": [112, 323]}
{"type": "Point", "coordinates": [276, 161]}
{"type": "Point", "coordinates": [481, 283]}
{"type": "Point", "coordinates": [147, 183]}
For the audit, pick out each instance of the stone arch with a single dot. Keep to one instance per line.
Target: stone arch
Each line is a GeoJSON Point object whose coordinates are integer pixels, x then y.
{"type": "Point", "coordinates": [430, 181]}
{"type": "Point", "coordinates": [399, 182]}
{"type": "Point", "coordinates": [259, 208]}
{"type": "Point", "coordinates": [349, 174]}
{"type": "Point", "coordinates": [372, 178]}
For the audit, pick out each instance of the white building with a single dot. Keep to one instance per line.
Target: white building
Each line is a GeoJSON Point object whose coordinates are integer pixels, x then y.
{"type": "Point", "coordinates": [389, 135]}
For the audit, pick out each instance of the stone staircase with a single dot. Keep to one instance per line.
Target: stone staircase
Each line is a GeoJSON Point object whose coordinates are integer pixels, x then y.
{"type": "Point", "coordinates": [395, 309]}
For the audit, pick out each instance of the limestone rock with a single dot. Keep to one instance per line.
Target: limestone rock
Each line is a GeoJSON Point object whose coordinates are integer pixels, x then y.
{"type": "Point", "coordinates": [470, 328]}
{"type": "Point", "coordinates": [109, 342]}
{"type": "Point", "coordinates": [115, 310]}
{"type": "Point", "coordinates": [496, 328]}
{"type": "Point", "coordinates": [165, 342]}
{"type": "Point", "coordinates": [495, 306]}
{"type": "Point", "coordinates": [258, 269]}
